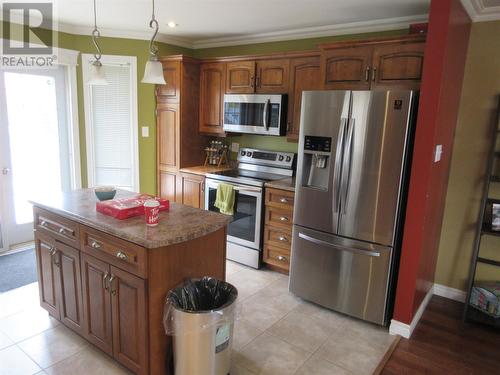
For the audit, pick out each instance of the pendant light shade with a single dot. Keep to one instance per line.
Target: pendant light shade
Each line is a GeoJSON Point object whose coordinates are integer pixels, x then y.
{"type": "Point", "coordinates": [97, 76]}
{"type": "Point", "coordinates": [153, 72]}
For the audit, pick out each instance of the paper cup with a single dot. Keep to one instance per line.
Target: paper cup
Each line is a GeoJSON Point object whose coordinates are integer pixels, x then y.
{"type": "Point", "coordinates": [152, 212]}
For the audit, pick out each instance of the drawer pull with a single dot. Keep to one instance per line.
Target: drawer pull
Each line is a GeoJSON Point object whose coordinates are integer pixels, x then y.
{"type": "Point", "coordinates": [121, 255]}
{"type": "Point", "coordinates": [62, 231]}
{"type": "Point", "coordinates": [95, 245]}
{"type": "Point", "coordinates": [282, 238]}
{"type": "Point", "coordinates": [282, 258]}
{"type": "Point", "coordinates": [283, 200]}
{"type": "Point", "coordinates": [283, 218]}
{"type": "Point", "coordinates": [44, 224]}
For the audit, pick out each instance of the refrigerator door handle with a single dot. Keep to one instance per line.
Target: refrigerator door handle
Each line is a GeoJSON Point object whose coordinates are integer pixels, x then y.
{"type": "Point", "coordinates": [346, 167]}
{"type": "Point", "coordinates": [338, 165]}
{"type": "Point", "coordinates": [339, 246]}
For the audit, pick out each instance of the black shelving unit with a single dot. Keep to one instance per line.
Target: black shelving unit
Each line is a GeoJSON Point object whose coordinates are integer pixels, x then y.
{"type": "Point", "coordinates": [471, 313]}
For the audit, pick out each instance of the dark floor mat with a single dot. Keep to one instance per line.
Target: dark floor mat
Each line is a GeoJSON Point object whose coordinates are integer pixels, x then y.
{"type": "Point", "coordinates": [17, 270]}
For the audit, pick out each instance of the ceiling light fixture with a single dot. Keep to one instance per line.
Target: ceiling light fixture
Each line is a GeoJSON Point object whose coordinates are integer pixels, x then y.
{"type": "Point", "coordinates": [153, 72]}
{"type": "Point", "coordinates": [172, 24]}
{"type": "Point", "coordinates": [97, 76]}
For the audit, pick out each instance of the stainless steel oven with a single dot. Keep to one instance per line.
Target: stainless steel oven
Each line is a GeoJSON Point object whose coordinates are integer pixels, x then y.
{"type": "Point", "coordinates": [255, 114]}
{"type": "Point", "coordinates": [244, 232]}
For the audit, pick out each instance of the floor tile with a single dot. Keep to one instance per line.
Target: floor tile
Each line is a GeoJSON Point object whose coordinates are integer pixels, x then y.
{"type": "Point", "coordinates": [237, 369]}
{"type": "Point", "coordinates": [88, 361]}
{"type": "Point", "coordinates": [52, 346]}
{"type": "Point", "coordinates": [28, 323]}
{"type": "Point", "coordinates": [301, 330]}
{"type": "Point", "coordinates": [14, 362]}
{"type": "Point", "coordinates": [5, 341]}
{"type": "Point", "coordinates": [270, 355]}
{"type": "Point", "coordinates": [329, 317]}
{"type": "Point", "coordinates": [318, 366]}
{"type": "Point", "coordinates": [244, 333]}
{"type": "Point", "coordinates": [17, 300]}
{"type": "Point", "coordinates": [233, 267]}
{"type": "Point", "coordinates": [246, 283]}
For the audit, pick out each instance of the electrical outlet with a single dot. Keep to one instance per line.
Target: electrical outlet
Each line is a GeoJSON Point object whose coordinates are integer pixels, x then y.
{"type": "Point", "coordinates": [145, 131]}
{"type": "Point", "coordinates": [438, 153]}
{"type": "Point", "coordinates": [235, 147]}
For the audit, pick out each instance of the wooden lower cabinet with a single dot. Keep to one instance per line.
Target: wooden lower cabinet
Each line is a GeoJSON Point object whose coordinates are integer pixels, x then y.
{"type": "Point", "coordinates": [47, 274]}
{"type": "Point", "coordinates": [167, 185]}
{"type": "Point", "coordinates": [192, 189]}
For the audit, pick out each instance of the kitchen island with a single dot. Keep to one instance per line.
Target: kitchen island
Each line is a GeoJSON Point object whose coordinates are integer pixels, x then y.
{"type": "Point", "coordinates": [107, 279]}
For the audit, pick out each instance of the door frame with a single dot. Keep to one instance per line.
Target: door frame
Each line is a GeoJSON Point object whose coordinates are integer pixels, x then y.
{"type": "Point", "coordinates": [69, 59]}
{"type": "Point", "coordinates": [134, 122]}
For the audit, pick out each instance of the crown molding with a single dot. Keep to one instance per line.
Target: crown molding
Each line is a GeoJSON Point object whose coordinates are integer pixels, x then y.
{"type": "Point", "coordinates": [313, 32]}
{"type": "Point", "coordinates": [478, 12]}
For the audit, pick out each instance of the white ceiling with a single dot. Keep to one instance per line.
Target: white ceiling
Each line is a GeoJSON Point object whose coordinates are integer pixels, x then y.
{"type": "Point", "coordinates": [221, 22]}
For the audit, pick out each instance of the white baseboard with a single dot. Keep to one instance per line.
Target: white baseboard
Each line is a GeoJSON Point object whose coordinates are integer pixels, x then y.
{"type": "Point", "coordinates": [451, 293]}
{"type": "Point", "coordinates": [405, 330]}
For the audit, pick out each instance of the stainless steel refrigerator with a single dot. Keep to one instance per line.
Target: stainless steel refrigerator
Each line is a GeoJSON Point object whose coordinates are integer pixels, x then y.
{"type": "Point", "coordinates": [350, 197]}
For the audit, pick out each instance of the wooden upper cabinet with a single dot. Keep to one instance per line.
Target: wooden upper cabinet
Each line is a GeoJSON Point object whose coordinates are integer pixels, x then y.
{"type": "Point", "coordinates": [171, 91]}
{"type": "Point", "coordinates": [304, 75]}
{"type": "Point", "coordinates": [212, 86]}
{"type": "Point", "coordinates": [398, 65]}
{"type": "Point", "coordinates": [240, 77]}
{"type": "Point", "coordinates": [346, 68]}
{"type": "Point", "coordinates": [168, 128]}
{"type": "Point", "coordinates": [273, 76]}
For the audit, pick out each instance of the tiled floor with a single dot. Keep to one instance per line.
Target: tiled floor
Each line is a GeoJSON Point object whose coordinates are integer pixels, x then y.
{"type": "Point", "coordinates": [275, 333]}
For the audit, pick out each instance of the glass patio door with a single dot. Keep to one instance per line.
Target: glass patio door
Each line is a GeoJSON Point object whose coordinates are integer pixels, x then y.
{"type": "Point", "coordinates": [34, 147]}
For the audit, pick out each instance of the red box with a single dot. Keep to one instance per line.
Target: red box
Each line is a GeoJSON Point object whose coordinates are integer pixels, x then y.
{"type": "Point", "coordinates": [123, 208]}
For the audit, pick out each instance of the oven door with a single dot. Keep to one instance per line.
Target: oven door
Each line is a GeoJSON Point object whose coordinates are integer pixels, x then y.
{"type": "Point", "coordinates": [255, 114]}
{"type": "Point", "coordinates": [245, 227]}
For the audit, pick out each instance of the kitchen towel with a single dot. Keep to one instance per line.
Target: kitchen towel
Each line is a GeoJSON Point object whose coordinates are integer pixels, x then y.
{"type": "Point", "coordinates": [224, 200]}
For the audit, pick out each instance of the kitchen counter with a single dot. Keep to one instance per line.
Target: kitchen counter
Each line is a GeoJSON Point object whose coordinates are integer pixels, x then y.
{"type": "Point", "coordinates": [202, 170]}
{"type": "Point", "coordinates": [179, 224]}
{"type": "Point", "coordinates": [284, 184]}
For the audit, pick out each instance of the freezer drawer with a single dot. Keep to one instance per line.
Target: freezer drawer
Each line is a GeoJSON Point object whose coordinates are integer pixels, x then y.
{"type": "Point", "coordinates": [341, 274]}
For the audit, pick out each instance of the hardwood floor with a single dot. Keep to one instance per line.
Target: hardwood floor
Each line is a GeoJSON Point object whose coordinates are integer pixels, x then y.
{"type": "Point", "coordinates": [442, 344]}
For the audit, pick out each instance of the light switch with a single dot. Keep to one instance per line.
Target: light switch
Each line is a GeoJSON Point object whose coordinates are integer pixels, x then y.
{"type": "Point", "coordinates": [438, 153]}
{"type": "Point", "coordinates": [235, 147]}
{"type": "Point", "coordinates": [145, 131]}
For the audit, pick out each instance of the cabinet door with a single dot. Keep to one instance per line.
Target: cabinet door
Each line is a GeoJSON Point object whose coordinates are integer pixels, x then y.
{"type": "Point", "coordinates": [240, 77]}
{"type": "Point", "coordinates": [70, 287]}
{"type": "Point", "coordinates": [167, 185]}
{"type": "Point", "coordinates": [193, 190]}
{"type": "Point", "coordinates": [130, 345]}
{"type": "Point", "coordinates": [170, 92]}
{"type": "Point", "coordinates": [273, 76]}
{"type": "Point", "coordinates": [212, 86]}
{"type": "Point", "coordinates": [97, 303]}
{"type": "Point", "coordinates": [398, 66]}
{"type": "Point", "coordinates": [305, 75]}
{"type": "Point", "coordinates": [168, 128]}
{"type": "Point", "coordinates": [346, 68]}
{"type": "Point", "coordinates": [47, 273]}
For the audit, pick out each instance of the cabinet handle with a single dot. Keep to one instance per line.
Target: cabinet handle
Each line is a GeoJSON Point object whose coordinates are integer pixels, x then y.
{"type": "Point", "coordinates": [111, 279]}
{"type": "Point", "coordinates": [62, 231]}
{"type": "Point", "coordinates": [121, 255]}
{"type": "Point", "coordinates": [257, 82]}
{"type": "Point", "coordinates": [53, 254]}
{"type": "Point", "coordinates": [252, 81]}
{"type": "Point", "coordinates": [282, 258]}
{"type": "Point", "coordinates": [282, 238]}
{"type": "Point", "coordinates": [283, 218]}
{"type": "Point", "coordinates": [95, 245]}
{"type": "Point", "coordinates": [374, 74]}
{"type": "Point", "coordinates": [288, 126]}
{"type": "Point", "coordinates": [44, 224]}
{"type": "Point", "coordinates": [283, 200]}
{"type": "Point", "coordinates": [367, 73]}
{"type": "Point", "coordinates": [104, 285]}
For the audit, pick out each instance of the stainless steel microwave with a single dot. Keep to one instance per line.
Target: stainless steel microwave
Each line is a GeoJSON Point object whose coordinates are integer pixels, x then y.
{"type": "Point", "coordinates": [255, 114]}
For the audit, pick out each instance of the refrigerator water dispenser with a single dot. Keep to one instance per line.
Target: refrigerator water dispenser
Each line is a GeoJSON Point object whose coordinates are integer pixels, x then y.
{"type": "Point", "coordinates": [316, 167]}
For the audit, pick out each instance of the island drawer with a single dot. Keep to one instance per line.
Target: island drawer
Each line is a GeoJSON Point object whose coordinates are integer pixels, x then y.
{"type": "Point", "coordinates": [280, 198]}
{"type": "Point", "coordinates": [56, 226]}
{"type": "Point", "coordinates": [122, 254]}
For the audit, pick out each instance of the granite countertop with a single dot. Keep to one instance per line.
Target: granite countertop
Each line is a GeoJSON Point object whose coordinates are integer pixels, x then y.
{"type": "Point", "coordinates": [179, 224]}
{"type": "Point", "coordinates": [204, 169]}
{"type": "Point", "coordinates": [284, 184]}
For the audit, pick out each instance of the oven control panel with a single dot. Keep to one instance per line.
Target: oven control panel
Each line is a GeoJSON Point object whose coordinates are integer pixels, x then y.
{"type": "Point", "coordinates": [263, 157]}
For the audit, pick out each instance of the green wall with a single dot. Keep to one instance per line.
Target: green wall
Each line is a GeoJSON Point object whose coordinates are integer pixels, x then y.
{"type": "Point", "coordinates": [476, 118]}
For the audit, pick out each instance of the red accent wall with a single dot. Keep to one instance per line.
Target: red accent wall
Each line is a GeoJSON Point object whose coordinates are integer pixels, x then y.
{"type": "Point", "coordinates": [443, 71]}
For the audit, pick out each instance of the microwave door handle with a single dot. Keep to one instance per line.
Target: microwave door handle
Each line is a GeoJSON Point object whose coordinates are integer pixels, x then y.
{"type": "Point", "coordinates": [265, 114]}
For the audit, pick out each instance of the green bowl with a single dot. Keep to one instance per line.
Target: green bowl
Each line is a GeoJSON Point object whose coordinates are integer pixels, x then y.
{"type": "Point", "coordinates": [104, 194]}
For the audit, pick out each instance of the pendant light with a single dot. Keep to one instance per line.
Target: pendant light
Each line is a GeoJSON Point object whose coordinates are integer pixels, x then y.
{"type": "Point", "coordinates": [97, 76]}
{"type": "Point", "coordinates": [153, 73]}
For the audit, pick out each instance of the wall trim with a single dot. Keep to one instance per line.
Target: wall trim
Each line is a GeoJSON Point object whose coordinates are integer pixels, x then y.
{"type": "Point", "coordinates": [478, 12]}
{"type": "Point", "coordinates": [405, 330]}
{"type": "Point", "coordinates": [450, 293]}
